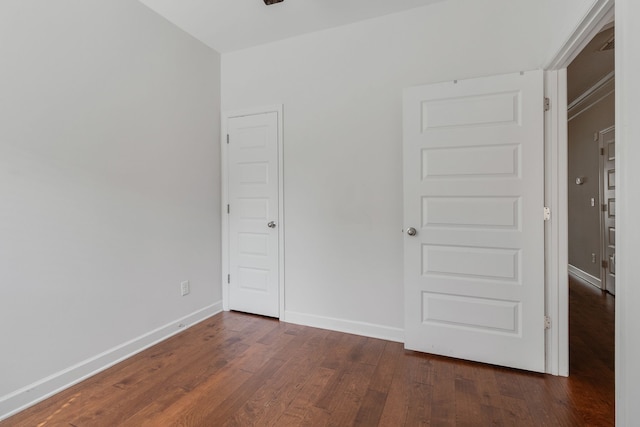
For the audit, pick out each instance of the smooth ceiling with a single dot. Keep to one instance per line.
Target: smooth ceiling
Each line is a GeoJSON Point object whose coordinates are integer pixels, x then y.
{"type": "Point", "coordinates": [228, 25]}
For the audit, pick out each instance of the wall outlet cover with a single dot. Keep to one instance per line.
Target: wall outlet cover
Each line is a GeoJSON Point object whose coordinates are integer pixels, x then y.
{"type": "Point", "coordinates": [185, 288]}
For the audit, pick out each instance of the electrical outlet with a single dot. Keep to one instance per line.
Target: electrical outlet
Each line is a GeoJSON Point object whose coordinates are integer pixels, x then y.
{"type": "Point", "coordinates": [593, 258]}
{"type": "Point", "coordinates": [185, 288]}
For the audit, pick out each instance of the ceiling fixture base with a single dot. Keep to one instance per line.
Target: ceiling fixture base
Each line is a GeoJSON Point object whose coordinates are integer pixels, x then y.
{"type": "Point", "coordinates": [268, 2]}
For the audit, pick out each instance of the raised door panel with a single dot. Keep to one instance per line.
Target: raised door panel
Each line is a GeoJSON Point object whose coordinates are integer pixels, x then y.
{"type": "Point", "coordinates": [608, 189]}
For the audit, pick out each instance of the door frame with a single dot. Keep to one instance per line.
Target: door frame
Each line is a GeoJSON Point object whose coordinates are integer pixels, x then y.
{"type": "Point", "coordinates": [556, 185]}
{"type": "Point", "coordinates": [225, 116]}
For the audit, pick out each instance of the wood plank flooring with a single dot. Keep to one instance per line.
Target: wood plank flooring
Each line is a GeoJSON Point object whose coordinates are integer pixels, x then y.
{"type": "Point", "coordinates": [241, 370]}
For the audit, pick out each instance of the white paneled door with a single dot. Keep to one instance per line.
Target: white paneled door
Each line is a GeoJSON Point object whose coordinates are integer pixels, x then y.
{"type": "Point", "coordinates": [253, 213]}
{"type": "Point", "coordinates": [607, 142]}
{"type": "Point", "coordinates": [474, 223]}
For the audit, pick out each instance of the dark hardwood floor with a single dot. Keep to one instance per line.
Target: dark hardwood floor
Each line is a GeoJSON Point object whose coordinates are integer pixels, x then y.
{"type": "Point", "coordinates": [241, 370]}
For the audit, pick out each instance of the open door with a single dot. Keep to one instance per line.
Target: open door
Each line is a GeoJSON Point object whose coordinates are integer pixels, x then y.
{"type": "Point", "coordinates": [474, 218]}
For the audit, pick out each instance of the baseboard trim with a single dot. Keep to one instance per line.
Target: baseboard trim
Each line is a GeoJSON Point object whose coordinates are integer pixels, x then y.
{"type": "Point", "coordinates": [584, 277]}
{"type": "Point", "coordinates": [25, 397]}
{"type": "Point", "coordinates": [347, 326]}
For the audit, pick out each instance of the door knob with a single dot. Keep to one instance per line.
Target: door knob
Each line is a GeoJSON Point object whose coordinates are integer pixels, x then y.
{"type": "Point", "coordinates": [411, 231]}
{"type": "Point", "coordinates": [271, 224]}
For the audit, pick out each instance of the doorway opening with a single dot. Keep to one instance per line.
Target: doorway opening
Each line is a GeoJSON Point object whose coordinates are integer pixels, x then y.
{"type": "Point", "coordinates": [598, 17]}
{"type": "Point", "coordinates": [591, 154]}
{"type": "Point", "coordinates": [591, 211]}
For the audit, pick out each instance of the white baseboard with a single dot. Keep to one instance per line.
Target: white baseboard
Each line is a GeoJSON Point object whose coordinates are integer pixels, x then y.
{"type": "Point", "coordinates": [348, 326]}
{"type": "Point", "coordinates": [30, 395]}
{"type": "Point", "coordinates": [584, 277]}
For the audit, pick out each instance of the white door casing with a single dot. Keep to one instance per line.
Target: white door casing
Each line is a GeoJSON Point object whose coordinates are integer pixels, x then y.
{"type": "Point", "coordinates": [252, 177]}
{"type": "Point", "coordinates": [599, 14]}
{"type": "Point", "coordinates": [607, 145]}
{"type": "Point", "coordinates": [474, 192]}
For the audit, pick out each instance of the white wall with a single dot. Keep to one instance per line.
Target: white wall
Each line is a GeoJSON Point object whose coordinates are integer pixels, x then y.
{"type": "Point", "coordinates": [628, 246]}
{"type": "Point", "coordinates": [342, 96]}
{"type": "Point", "coordinates": [109, 187]}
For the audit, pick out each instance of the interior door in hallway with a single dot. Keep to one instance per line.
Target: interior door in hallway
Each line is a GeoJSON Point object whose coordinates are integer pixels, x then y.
{"type": "Point", "coordinates": [253, 214]}
{"type": "Point", "coordinates": [474, 222]}
{"type": "Point", "coordinates": [607, 142]}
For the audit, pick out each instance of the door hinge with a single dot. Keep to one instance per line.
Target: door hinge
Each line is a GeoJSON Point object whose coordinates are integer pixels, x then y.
{"type": "Point", "coordinates": [605, 263]}
{"type": "Point", "coordinates": [604, 208]}
{"type": "Point", "coordinates": [547, 322]}
{"type": "Point", "coordinates": [602, 151]}
{"type": "Point", "coordinates": [547, 104]}
{"type": "Point", "coordinates": [228, 209]}
{"type": "Point", "coordinates": [547, 213]}
{"type": "Point", "coordinates": [227, 138]}
{"type": "Point", "coordinates": [228, 278]}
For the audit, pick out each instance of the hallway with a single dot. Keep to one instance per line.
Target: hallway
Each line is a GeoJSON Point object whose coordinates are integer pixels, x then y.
{"type": "Point", "coordinates": [592, 349]}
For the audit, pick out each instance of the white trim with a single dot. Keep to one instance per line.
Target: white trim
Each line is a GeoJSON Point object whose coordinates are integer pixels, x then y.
{"type": "Point", "coordinates": [584, 277]}
{"type": "Point", "coordinates": [25, 397]}
{"type": "Point", "coordinates": [627, 273]}
{"type": "Point", "coordinates": [587, 93]}
{"type": "Point", "coordinates": [226, 115]}
{"type": "Point", "coordinates": [348, 326]}
{"type": "Point", "coordinates": [600, 14]}
{"type": "Point", "coordinates": [592, 96]}
{"type": "Point", "coordinates": [556, 248]}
